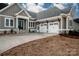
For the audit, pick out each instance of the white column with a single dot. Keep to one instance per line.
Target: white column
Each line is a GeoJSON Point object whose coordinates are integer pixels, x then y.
{"type": "Point", "coordinates": [28, 24]}
{"type": "Point", "coordinates": [61, 23]}
{"type": "Point", "coordinates": [67, 22]}
{"type": "Point", "coordinates": [17, 29]}
{"type": "Point", "coordinates": [17, 22]}
{"type": "Point", "coordinates": [67, 30]}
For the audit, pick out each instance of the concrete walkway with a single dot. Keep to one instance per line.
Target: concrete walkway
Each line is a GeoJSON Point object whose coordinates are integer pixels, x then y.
{"type": "Point", "coordinates": [10, 41]}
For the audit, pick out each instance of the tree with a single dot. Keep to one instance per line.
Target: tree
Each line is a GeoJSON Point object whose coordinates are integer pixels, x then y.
{"type": "Point", "coordinates": [2, 5]}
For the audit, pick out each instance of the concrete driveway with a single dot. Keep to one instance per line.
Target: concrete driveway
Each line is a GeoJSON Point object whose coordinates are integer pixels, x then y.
{"type": "Point", "coordinates": [10, 41]}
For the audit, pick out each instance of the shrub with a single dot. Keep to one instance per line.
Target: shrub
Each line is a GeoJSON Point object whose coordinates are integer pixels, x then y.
{"type": "Point", "coordinates": [74, 32]}
{"type": "Point", "coordinates": [5, 32]}
{"type": "Point", "coordinates": [11, 31]}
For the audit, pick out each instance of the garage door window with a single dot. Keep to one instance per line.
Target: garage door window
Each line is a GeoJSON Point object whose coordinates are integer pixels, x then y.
{"type": "Point", "coordinates": [45, 24]}
{"type": "Point", "coordinates": [51, 24]}
{"type": "Point", "coordinates": [55, 23]}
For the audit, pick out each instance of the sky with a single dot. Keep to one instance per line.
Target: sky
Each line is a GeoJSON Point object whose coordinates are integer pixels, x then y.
{"type": "Point", "coordinates": [37, 7]}
{"type": "Point", "coordinates": [77, 10]}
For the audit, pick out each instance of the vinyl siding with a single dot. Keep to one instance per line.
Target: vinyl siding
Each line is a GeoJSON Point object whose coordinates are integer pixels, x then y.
{"type": "Point", "coordinates": [23, 14]}
{"type": "Point", "coordinates": [1, 22]}
{"type": "Point", "coordinates": [11, 11]}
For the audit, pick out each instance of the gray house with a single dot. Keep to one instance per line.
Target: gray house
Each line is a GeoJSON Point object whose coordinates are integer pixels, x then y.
{"type": "Point", "coordinates": [52, 20]}
{"type": "Point", "coordinates": [15, 17]}
{"type": "Point", "coordinates": [55, 20]}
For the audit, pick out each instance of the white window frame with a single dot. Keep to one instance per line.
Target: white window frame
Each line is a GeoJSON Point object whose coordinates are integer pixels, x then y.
{"type": "Point", "coordinates": [31, 23]}
{"type": "Point", "coordinates": [70, 26]}
{"type": "Point", "coordinates": [9, 18]}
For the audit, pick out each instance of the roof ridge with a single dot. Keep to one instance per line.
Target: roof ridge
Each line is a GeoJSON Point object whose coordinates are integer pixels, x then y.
{"type": "Point", "coordinates": [24, 10]}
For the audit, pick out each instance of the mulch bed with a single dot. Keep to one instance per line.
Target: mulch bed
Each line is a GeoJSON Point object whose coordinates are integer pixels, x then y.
{"type": "Point", "coordinates": [61, 45]}
{"type": "Point", "coordinates": [71, 36]}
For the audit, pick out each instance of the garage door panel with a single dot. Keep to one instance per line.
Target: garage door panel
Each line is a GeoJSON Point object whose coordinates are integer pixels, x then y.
{"type": "Point", "coordinates": [43, 27]}
{"type": "Point", "coordinates": [53, 27]}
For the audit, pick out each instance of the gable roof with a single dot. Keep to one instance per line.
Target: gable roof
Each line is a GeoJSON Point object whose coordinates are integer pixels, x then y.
{"type": "Point", "coordinates": [51, 13]}
{"type": "Point", "coordinates": [67, 10]}
{"type": "Point", "coordinates": [43, 14]}
{"type": "Point", "coordinates": [19, 7]}
{"type": "Point", "coordinates": [19, 12]}
{"type": "Point", "coordinates": [33, 15]}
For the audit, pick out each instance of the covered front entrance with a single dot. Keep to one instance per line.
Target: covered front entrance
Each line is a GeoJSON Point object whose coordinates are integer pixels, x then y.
{"type": "Point", "coordinates": [22, 24]}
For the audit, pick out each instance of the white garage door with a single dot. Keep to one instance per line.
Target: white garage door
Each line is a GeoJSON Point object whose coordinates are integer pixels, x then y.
{"type": "Point", "coordinates": [53, 27]}
{"type": "Point", "coordinates": [43, 27]}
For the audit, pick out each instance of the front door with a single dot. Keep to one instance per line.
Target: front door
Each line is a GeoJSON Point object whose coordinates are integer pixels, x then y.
{"type": "Point", "coordinates": [20, 24]}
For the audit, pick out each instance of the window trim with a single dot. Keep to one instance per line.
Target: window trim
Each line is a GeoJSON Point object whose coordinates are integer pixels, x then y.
{"type": "Point", "coordinates": [9, 22]}
{"type": "Point", "coordinates": [31, 24]}
{"type": "Point", "coordinates": [70, 26]}
{"type": "Point", "coordinates": [70, 22]}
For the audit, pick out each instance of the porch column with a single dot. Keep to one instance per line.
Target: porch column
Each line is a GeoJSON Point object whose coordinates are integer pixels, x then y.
{"type": "Point", "coordinates": [67, 30]}
{"type": "Point", "coordinates": [17, 22]}
{"type": "Point", "coordinates": [67, 22]}
{"type": "Point", "coordinates": [47, 26]}
{"type": "Point", "coordinates": [17, 30]}
{"type": "Point", "coordinates": [28, 24]}
{"type": "Point", "coordinates": [61, 23]}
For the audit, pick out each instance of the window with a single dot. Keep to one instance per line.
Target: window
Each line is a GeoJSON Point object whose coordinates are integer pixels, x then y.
{"type": "Point", "coordinates": [55, 23]}
{"type": "Point", "coordinates": [51, 24]}
{"type": "Point", "coordinates": [41, 24]}
{"type": "Point", "coordinates": [9, 22]}
{"type": "Point", "coordinates": [31, 24]}
{"type": "Point", "coordinates": [45, 24]}
{"type": "Point", "coordinates": [70, 24]}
